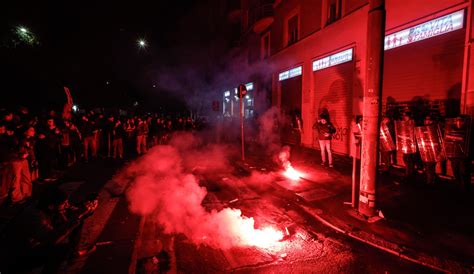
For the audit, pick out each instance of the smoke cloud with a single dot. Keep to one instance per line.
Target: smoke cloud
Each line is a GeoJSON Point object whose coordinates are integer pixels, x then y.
{"type": "Point", "coordinates": [162, 186]}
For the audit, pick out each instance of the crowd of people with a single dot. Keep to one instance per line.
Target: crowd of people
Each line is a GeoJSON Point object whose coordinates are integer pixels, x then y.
{"type": "Point", "coordinates": [34, 148]}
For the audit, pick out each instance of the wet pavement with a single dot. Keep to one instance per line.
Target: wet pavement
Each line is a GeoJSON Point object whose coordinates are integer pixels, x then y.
{"type": "Point", "coordinates": [321, 233]}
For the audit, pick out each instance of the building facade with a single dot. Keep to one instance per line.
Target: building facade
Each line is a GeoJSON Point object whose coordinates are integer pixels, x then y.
{"type": "Point", "coordinates": [311, 57]}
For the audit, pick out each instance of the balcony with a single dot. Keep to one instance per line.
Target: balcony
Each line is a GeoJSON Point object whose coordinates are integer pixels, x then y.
{"type": "Point", "coordinates": [261, 17]}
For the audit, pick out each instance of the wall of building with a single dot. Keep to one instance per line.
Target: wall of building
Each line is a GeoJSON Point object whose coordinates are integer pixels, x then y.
{"type": "Point", "coordinates": [317, 40]}
{"type": "Point", "coordinates": [349, 31]}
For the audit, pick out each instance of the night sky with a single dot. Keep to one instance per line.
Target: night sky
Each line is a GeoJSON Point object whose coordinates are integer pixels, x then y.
{"type": "Point", "coordinates": [92, 48]}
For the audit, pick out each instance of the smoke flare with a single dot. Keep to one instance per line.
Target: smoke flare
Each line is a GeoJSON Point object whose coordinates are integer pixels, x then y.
{"type": "Point", "coordinates": [161, 186]}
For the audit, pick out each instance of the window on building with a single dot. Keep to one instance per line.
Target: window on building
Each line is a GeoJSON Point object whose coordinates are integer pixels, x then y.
{"type": "Point", "coordinates": [293, 30]}
{"type": "Point", "coordinates": [334, 11]}
{"type": "Point", "coordinates": [265, 46]}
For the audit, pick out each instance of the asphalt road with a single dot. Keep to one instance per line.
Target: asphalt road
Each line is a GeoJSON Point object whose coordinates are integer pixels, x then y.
{"type": "Point", "coordinates": [308, 247]}
{"type": "Point", "coordinates": [129, 243]}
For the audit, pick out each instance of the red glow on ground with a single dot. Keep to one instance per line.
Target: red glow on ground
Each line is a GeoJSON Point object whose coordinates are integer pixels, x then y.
{"type": "Point", "coordinates": [263, 238]}
{"type": "Point", "coordinates": [292, 173]}
{"type": "Point", "coordinates": [243, 227]}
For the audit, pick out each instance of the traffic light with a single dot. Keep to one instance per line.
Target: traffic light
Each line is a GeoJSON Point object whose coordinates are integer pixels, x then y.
{"type": "Point", "coordinates": [242, 89]}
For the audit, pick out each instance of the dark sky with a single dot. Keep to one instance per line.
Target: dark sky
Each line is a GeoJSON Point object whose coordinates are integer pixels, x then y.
{"type": "Point", "coordinates": [84, 45]}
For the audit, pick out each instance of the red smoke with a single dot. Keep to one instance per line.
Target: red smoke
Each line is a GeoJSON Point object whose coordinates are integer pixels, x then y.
{"type": "Point", "coordinates": [161, 185]}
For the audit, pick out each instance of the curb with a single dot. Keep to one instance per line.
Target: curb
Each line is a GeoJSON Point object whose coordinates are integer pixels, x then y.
{"type": "Point", "coordinates": [421, 258]}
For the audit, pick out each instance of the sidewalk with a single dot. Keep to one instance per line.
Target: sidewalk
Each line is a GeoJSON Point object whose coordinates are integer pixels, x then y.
{"type": "Point", "coordinates": [431, 225]}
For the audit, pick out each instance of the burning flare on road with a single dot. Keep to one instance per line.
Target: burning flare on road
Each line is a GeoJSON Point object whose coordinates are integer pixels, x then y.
{"type": "Point", "coordinates": [290, 172]}
{"type": "Point", "coordinates": [244, 227]}
{"type": "Point", "coordinates": [161, 186]}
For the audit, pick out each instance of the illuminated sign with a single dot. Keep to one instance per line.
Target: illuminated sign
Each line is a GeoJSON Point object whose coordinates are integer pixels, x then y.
{"type": "Point", "coordinates": [332, 60]}
{"type": "Point", "coordinates": [295, 72]}
{"type": "Point", "coordinates": [435, 27]}
{"type": "Point", "coordinates": [284, 75]}
{"type": "Point", "coordinates": [249, 86]}
{"type": "Point", "coordinates": [290, 73]}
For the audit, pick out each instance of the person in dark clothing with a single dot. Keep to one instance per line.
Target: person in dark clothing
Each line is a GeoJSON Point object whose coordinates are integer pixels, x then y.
{"type": "Point", "coordinates": [67, 149]}
{"type": "Point", "coordinates": [48, 150]}
{"type": "Point", "coordinates": [154, 131]}
{"type": "Point", "coordinates": [6, 154]}
{"type": "Point", "coordinates": [429, 166]}
{"type": "Point", "coordinates": [118, 134]}
{"type": "Point", "coordinates": [457, 137]}
{"type": "Point", "coordinates": [406, 143]}
{"type": "Point", "coordinates": [325, 131]}
{"type": "Point", "coordinates": [129, 140]}
{"type": "Point", "coordinates": [38, 235]}
{"type": "Point", "coordinates": [28, 143]}
{"type": "Point", "coordinates": [388, 153]}
{"type": "Point", "coordinates": [296, 126]}
{"type": "Point", "coordinates": [107, 135]}
{"type": "Point", "coordinates": [76, 142]}
{"type": "Point", "coordinates": [88, 133]}
{"type": "Point", "coordinates": [142, 133]}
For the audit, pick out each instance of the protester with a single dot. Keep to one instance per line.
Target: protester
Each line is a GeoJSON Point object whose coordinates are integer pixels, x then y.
{"type": "Point", "coordinates": [107, 135]}
{"type": "Point", "coordinates": [48, 150]}
{"type": "Point", "coordinates": [88, 133]}
{"type": "Point", "coordinates": [325, 131]}
{"type": "Point", "coordinates": [142, 133]}
{"type": "Point", "coordinates": [46, 233]}
{"type": "Point", "coordinates": [118, 134]}
{"type": "Point", "coordinates": [6, 144]}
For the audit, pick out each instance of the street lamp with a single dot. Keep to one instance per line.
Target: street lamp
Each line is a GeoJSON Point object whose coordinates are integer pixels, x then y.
{"type": "Point", "coordinates": [25, 36]}
{"type": "Point", "coordinates": [141, 43]}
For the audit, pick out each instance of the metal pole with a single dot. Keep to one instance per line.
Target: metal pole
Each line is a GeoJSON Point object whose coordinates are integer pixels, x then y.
{"type": "Point", "coordinates": [242, 124]}
{"type": "Point", "coordinates": [354, 174]}
{"type": "Point", "coordinates": [372, 107]}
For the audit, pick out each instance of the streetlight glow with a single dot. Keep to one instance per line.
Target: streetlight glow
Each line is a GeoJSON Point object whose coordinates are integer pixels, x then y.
{"type": "Point", "coordinates": [141, 43]}
{"type": "Point", "coordinates": [25, 36]}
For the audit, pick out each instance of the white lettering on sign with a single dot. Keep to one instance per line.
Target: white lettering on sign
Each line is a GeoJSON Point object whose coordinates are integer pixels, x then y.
{"type": "Point", "coordinates": [249, 86]}
{"type": "Point", "coordinates": [284, 75]}
{"type": "Point", "coordinates": [290, 73]}
{"type": "Point", "coordinates": [435, 27]}
{"type": "Point", "coordinates": [226, 93]}
{"type": "Point", "coordinates": [332, 60]}
{"type": "Point", "coordinates": [295, 72]}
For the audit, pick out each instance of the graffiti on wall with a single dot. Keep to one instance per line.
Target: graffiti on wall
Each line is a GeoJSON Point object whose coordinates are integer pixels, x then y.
{"type": "Point", "coordinates": [342, 133]}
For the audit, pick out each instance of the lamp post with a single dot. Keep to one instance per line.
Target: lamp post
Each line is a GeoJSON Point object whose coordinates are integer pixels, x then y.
{"type": "Point", "coordinates": [242, 92]}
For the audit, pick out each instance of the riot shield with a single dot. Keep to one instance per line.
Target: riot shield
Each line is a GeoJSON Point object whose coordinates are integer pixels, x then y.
{"type": "Point", "coordinates": [430, 143]}
{"type": "Point", "coordinates": [405, 131]}
{"type": "Point", "coordinates": [456, 137]}
{"type": "Point", "coordinates": [386, 140]}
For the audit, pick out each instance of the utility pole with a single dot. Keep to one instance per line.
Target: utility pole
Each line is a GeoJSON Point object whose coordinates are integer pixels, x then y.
{"type": "Point", "coordinates": [242, 91]}
{"type": "Point", "coordinates": [372, 108]}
